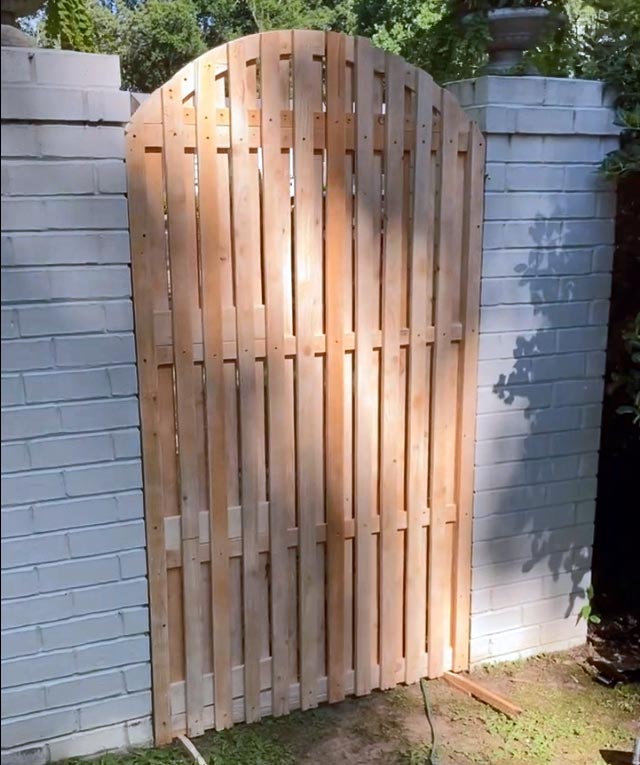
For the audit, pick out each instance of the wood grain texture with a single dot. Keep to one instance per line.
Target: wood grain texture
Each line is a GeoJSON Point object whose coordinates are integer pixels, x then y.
{"type": "Point", "coordinates": [215, 248]}
{"type": "Point", "coordinates": [416, 474]}
{"type": "Point", "coordinates": [145, 223]}
{"type": "Point", "coordinates": [181, 222]}
{"type": "Point", "coordinates": [308, 469]}
{"type": "Point", "coordinates": [305, 227]}
{"type": "Point", "coordinates": [366, 283]}
{"type": "Point", "coordinates": [443, 394]}
{"type": "Point", "coordinates": [276, 227]}
{"type": "Point", "coordinates": [246, 232]}
{"type": "Point", "coordinates": [390, 630]}
{"type": "Point", "coordinates": [335, 269]}
{"type": "Point", "coordinates": [467, 387]}
{"type": "Point", "coordinates": [496, 700]}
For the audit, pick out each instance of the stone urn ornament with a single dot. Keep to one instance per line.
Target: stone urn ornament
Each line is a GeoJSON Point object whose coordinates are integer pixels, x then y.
{"type": "Point", "coordinates": [514, 27]}
{"type": "Point", "coordinates": [12, 10]}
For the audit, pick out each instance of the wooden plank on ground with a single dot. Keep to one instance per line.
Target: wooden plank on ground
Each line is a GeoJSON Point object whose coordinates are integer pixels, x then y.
{"type": "Point", "coordinates": [366, 283]}
{"type": "Point", "coordinates": [308, 469]}
{"type": "Point", "coordinates": [182, 260]}
{"type": "Point", "coordinates": [188, 744]}
{"type": "Point", "coordinates": [214, 250]}
{"type": "Point", "coordinates": [335, 369]}
{"type": "Point", "coordinates": [496, 700]}
{"type": "Point", "coordinates": [443, 391]}
{"type": "Point", "coordinates": [144, 226]}
{"type": "Point", "coordinates": [418, 402]}
{"type": "Point", "coordinates": [277, 251]}
{"type": "Point", "coordinates": [390, 630]}
{"type": "Point", "coordinates": [467, 386]}
{"type": "Point", "coordinates": [245, 229]}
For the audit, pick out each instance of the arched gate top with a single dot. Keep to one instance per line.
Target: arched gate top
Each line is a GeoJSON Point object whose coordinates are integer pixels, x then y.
{"type": "Point", "coordinates": [307, 43]}
{"type": "Point", "coordinates": [305, 218]}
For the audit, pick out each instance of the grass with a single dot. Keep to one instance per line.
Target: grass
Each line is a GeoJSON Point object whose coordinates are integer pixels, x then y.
{"type": "Point", "coordinates": [241, 746]}
{"type": "Point", "coordinates": [247, 746]}
{"type": "Point", "coordinates": [417, 754]}
{"type": "Point", "coordinates": [555, 724]}
{"type": "Point", "coordinates": [168, 755]}
{"type": "Point", "coordinates": [567, 720]}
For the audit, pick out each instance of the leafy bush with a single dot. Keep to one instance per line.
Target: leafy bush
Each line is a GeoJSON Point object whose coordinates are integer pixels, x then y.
{"type": "Point", "coordinates": [69, 23]}
{"type": "Point", "coordinates": [629, 381]}
{"type": "Point", "coordinates": [492, 5]}
{"type": "Point", "coordinates": [160, 37]}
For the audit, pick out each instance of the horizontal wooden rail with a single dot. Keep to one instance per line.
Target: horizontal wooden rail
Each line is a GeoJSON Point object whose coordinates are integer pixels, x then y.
{"type": "Point", "coordinates": [154, 140]}
{"type": "Point", "coordinates": [177, 691]}
{"type": "Point", "coordinates": [164, 344]}
{"type": "Point", "coordinates": [172, 532]}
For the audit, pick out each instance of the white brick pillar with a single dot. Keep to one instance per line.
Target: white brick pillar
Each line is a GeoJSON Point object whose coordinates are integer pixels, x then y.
{"type": "Point", "coordinates": [548, 236]}
{"type": "Point", "coordinates": [75, 645]}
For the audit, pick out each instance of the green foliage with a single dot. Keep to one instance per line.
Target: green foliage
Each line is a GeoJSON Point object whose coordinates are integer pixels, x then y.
{"type": "Point", "coordinates": [160, 36]}
{"type": "Point", "coordinates": [246, 745]}
{"type": "Point", "coordinates": [625, 161]}
{"type": "Point", "coordinates": [490, 5]}
{"type": "Point", "coordinates": [629, 381]}
{"type": "Point", "coordinates": [586, 612]}
{"type": "Point", "coordinates": [417, 754]}
{"type": "Point", "coordinates": [69, 23]}
{"type": "Point", "coordinates": [223, 20]}
{"type": "Point", "coordinates": [611, 46]}
{"type": "Point", "coordinates": [611, 52]}
{"type": "Point", "coordinates": [428, 33]}
{"type": "Point", "coordinates": [173, 754]}
{"type": "Point", "coordinates": [108, 27]}
{"type": "Point", "coordinates": [154, 38]}
{"type": "Point", "coordinates": [448, 38]}
{"type": "Point", "coordinates": [294, 14]}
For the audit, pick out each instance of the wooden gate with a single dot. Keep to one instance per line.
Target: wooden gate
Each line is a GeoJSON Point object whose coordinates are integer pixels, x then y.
{"type": "Point", "coordinates": [306, 229]}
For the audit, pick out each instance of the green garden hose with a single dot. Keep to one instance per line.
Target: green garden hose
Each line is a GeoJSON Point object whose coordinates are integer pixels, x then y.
{"type": "Point", "coordinates": [431, 759]}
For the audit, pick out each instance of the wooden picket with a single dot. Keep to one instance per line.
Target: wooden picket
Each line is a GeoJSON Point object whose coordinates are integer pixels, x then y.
{"type": "Point", "coordinates": [306, 227]}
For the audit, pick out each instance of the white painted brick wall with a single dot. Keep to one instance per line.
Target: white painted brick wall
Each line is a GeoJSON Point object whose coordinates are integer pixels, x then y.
{"type": "Point", "coordinates": [544, 308]}
{"type": "Point", "coordinates": [75, 648]}
{"type": "Point", "coordinates": [75, 645]}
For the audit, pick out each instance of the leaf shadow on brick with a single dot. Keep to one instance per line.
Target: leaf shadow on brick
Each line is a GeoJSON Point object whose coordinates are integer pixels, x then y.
{"type": "Point", "coordinates": [559, 544]}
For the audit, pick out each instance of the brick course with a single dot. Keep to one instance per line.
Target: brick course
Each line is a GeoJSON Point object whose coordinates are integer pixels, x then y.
{"type": "Point", "coordinates": [545, 293]}
{"type": "Point", "coordinates": [76, 673]}
{"type": "Point", "coordinates": [75, 644]}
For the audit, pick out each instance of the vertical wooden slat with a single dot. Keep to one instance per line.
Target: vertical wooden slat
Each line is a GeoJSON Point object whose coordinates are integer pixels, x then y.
{"type": "Point", "coordinates": [417, 468]}
{"type": "Point", "coordinates": [398, 457]}
{"type": "Point", "coordinates": [467, 386]}
{"type": "Point", "coordinates": [366, 244]}
{"type": "Point", "coordinates": [276, 247]}
{"type": "Point", "coordinates": [376, 301]}
{"type": "Point", "coordinates": [214, 249]}
{"type": "Point", "coordinates": [348, 378]}
{"type": "Point", "coordinates": [154, 183]}
{"type": "Point", "coordinates": [182, 247]}
{"type": "Point", "coordinates": [390, 630]}
{"type": "Point", "coordinates": [316, 410]}
{"type": "Point", "coordinates": [334, 279]}
{"type": "Point", "coordinates": [443, 390]}
{"type": "Point", "coordinates": [308, 469]}
{"type": "Point", "coordinates": [143, 224]}
{"type": "Point", "coordinates": [245, 230]}
{"type": "Point", "coordinates": [288, 422]}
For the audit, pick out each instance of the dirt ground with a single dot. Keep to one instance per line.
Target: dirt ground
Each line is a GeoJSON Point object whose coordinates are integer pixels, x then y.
{"type": "Point", "coordinates": [568, 719]}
